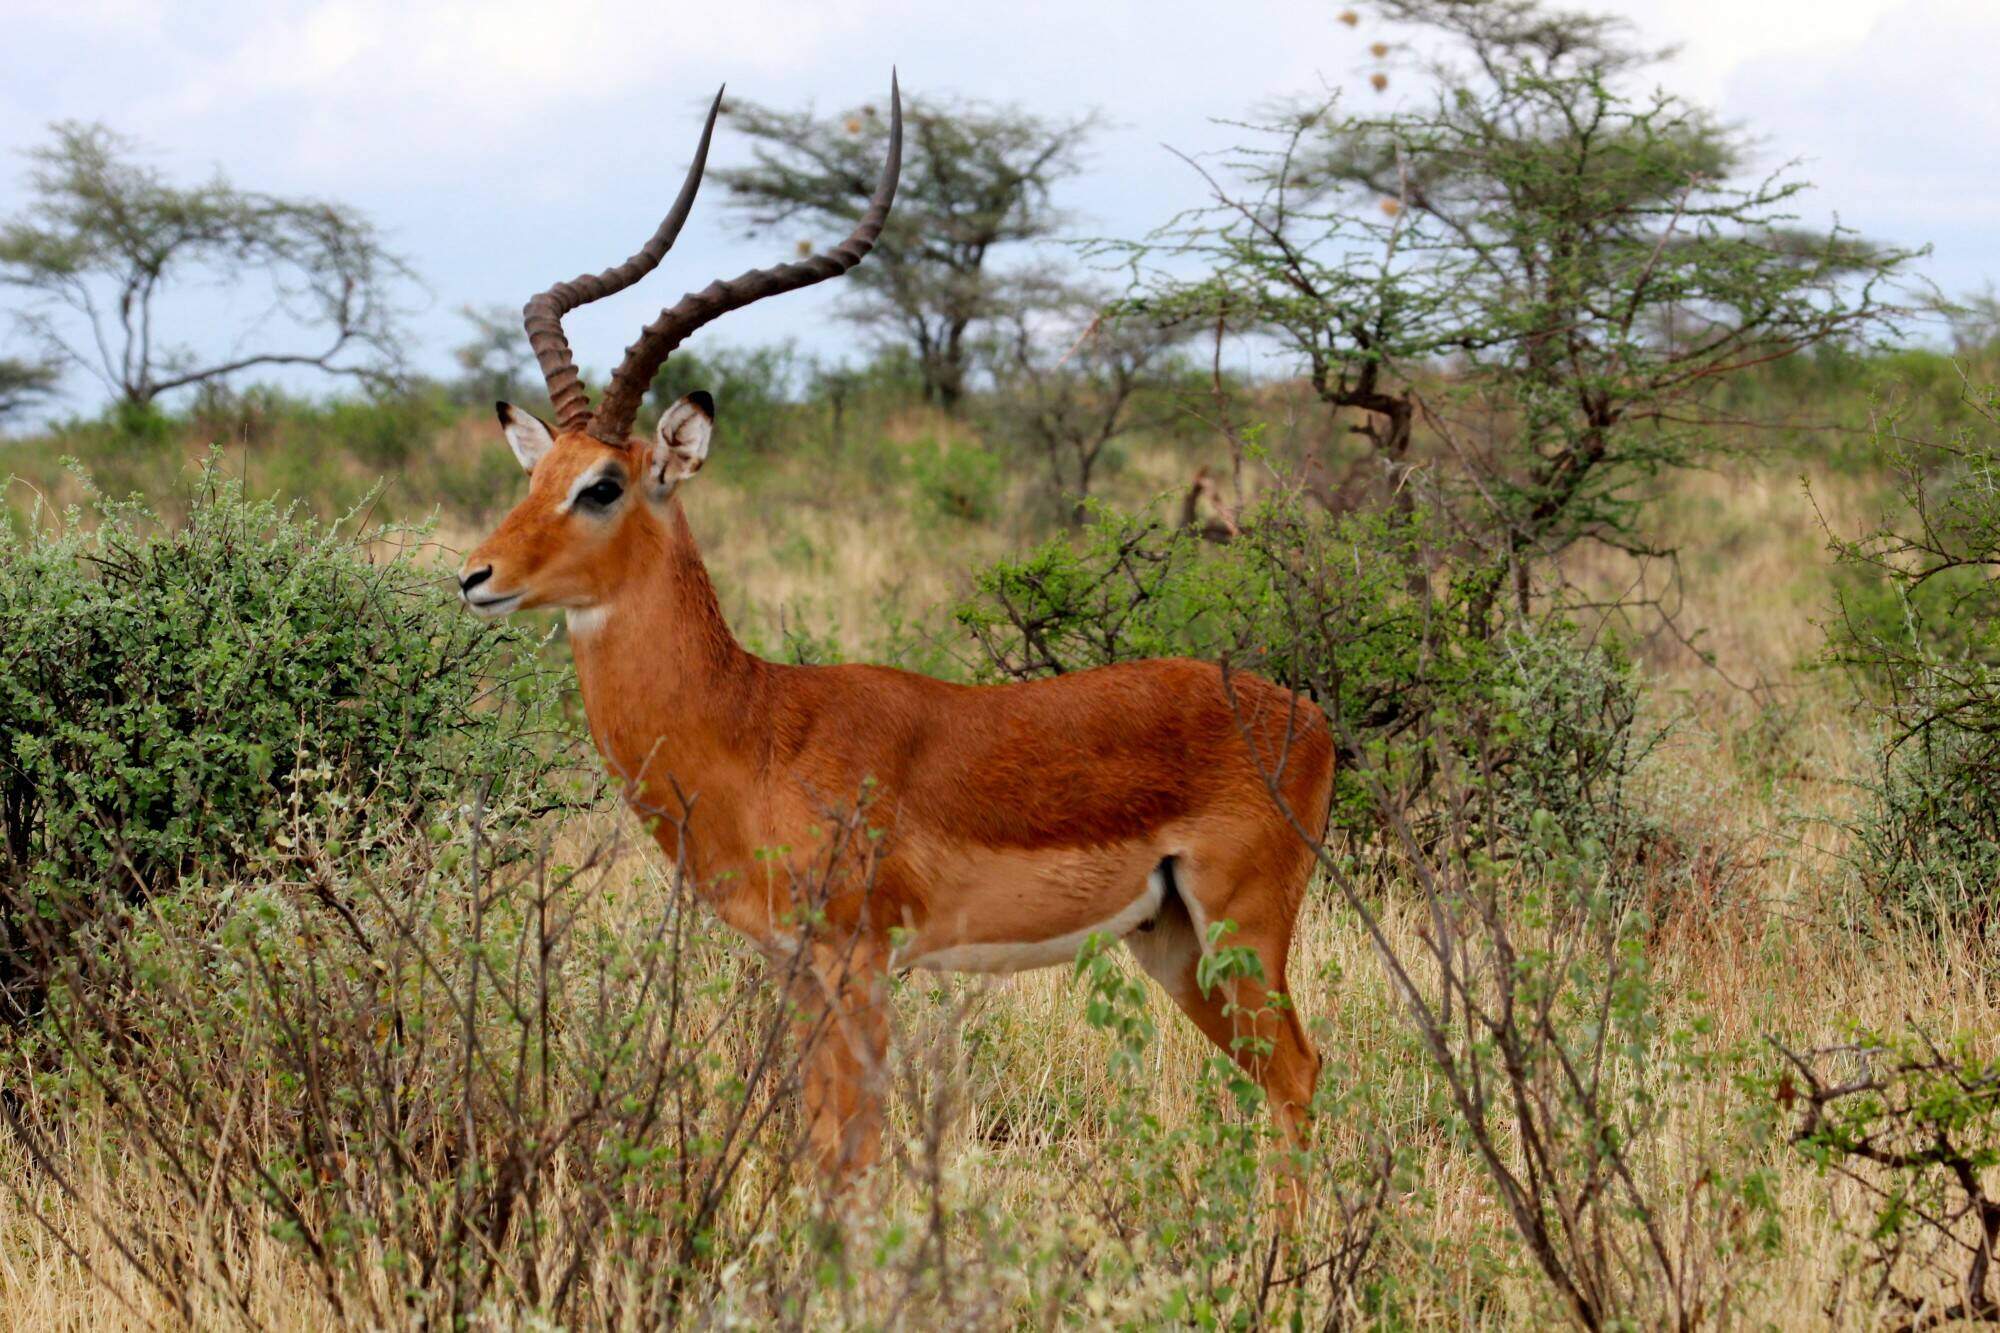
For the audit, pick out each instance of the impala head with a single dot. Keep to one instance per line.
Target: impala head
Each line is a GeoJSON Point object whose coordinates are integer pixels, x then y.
{"type": "Point", "coordinates": [592, 488]}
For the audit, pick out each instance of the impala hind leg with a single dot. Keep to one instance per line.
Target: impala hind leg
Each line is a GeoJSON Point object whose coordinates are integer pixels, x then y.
{"type": "Point", "coordinates": [841, 1001]}
{"type": "Point", "coordinates": [1251, 1018]}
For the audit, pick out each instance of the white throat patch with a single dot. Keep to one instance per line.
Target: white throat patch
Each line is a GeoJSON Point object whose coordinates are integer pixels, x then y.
{"type": "Point", "coordinates": [587, 620]}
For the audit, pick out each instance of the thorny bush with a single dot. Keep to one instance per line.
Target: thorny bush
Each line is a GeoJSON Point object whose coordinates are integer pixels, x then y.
{"type": "Point", "coordinates": [165, 693]}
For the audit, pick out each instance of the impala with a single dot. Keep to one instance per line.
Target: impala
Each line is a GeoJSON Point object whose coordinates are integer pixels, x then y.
{"type": "Point", "coordinates": [1009, 822]}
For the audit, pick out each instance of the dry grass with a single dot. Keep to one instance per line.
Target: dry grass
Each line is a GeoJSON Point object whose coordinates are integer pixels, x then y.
{"type": "Point", "coordinates": [1780, 950]}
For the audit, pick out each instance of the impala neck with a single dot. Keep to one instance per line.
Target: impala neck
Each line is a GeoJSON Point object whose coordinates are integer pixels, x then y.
{"type": "Point", "coordinates": [667, 689]}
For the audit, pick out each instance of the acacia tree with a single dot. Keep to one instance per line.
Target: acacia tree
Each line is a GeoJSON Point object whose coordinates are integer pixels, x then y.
{"type": "Point", "coordinates": [22, 383]}
{"type": "Point", "coordinates": [1547, 274]}
{"type": "Point", "coordinates": [493, 361]}
{"type": "Point", "coordinates": [976, 178]}
{"type": "Point", "coordinates": [107, 240]}
{"type": "Point", "coordinates": [1975, 321]}
{"type": "Point", "coordinates": [1073, 378]}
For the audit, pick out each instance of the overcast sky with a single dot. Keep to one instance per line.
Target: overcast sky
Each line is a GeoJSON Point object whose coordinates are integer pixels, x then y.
{"type": "Point", "coordinates": [504, 144]}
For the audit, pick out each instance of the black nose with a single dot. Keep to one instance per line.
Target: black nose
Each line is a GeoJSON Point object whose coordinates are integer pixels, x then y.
{"type": "Point", "coordinates": [475, 578]}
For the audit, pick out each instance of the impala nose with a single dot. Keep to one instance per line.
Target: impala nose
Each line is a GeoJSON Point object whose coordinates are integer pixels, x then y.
{"type": "Point", "coordinates": [467, 582]}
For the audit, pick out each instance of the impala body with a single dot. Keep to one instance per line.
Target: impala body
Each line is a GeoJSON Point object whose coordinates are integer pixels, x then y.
{"type": "Point", "coordinates": [1008, 822]}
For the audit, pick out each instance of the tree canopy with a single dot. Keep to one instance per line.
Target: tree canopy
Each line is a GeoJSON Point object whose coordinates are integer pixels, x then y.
{"type": "Point", "coordinates": [976, 179]}
{"type": "Point", "coordinates": [1548, 270]}
{"type": "Point", "coordinates": [107, 240]}
{"type": "Point", "coordinates": [22, 383]}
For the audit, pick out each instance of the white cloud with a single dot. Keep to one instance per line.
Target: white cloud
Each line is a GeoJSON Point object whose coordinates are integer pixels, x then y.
{"type": "Point", "coordinates": [1716, 38]}
{"type": "Point", "coordinates": [374, 87]}
{"type": "Point", "coordinates": [507, 143]}
{"type": "Point", "coordinates": [1896, 130]}
{"type": "Point", "coordinates": [148, 16]}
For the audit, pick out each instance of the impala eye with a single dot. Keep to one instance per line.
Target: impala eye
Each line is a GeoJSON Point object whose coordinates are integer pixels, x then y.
{"type": "Point", "coordinates": [601, 493]}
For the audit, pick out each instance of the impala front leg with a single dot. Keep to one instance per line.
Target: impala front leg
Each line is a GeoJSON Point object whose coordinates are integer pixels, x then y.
{"type": "Point", "coordinates": [841, 1000]}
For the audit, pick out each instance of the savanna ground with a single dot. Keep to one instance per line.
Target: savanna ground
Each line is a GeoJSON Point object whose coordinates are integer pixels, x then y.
{"type": "Point", "coordinates": [1003, 1107]}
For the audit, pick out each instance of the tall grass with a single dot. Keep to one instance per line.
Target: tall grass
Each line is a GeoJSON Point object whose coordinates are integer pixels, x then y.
{"type": "Point", "coordinates": [1048, 1167]}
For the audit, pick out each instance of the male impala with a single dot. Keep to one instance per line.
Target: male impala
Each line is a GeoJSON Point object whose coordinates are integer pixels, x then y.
{"type": "Point", "coordinates": [1012, 820]}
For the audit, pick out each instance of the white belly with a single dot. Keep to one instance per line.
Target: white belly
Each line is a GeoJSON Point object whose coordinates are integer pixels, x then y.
{"type": "Point", "coordinates": [1052, 951]}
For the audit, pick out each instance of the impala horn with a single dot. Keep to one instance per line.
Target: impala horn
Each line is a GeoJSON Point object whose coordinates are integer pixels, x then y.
{"type": "Point", "coordinates": [543, 314]}
{"type": "Point", "coordinates": [611, 422]}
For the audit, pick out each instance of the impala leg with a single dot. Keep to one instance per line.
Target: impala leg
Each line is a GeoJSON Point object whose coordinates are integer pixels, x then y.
{"type": "Point", "coordinates": [1279, 1054]}
{"type": "Point", "coordinates": [1262, 1034]}
{"type": "Point", "coordinates": [843, 1019]}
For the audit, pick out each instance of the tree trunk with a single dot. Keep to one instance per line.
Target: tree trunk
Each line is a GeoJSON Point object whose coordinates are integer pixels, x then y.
{"type": "Point", "coordinates": [951, 368]}
{"type": "Point", "coordinates": [1080, 510]}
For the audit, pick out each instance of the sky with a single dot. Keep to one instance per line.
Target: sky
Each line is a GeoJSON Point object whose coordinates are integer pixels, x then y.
{"type": "Point", "coordinates": [503, 144]}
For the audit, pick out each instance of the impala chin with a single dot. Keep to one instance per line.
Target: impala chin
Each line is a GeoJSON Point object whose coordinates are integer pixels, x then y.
{"type": "Point", "coordinates": [490, 607]}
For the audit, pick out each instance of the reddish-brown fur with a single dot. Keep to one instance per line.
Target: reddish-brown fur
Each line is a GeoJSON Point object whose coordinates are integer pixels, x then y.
{"type": "Point", "coordinates": [1009, 814]}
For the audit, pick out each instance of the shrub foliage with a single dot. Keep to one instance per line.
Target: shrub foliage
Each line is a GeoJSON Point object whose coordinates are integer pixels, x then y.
{"type": "Point", "coordinates": [1362, 613]}
{"type": "Point", "coordinates": [170, 695]}
{"type": "Point", "coordinates": [1918, 631]}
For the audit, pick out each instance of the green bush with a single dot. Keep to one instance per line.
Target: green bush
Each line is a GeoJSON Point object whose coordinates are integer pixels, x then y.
{"type": "Point", "coordinates": [139, 425]}
{"type": "Point", "coordinates": [382, 427]}
{"type": "Point", "coordinates": [1562, 718]}
{"type": "Point", "coordinates": [170, 696]}
{"type": "Point", "coordinates": [1928, 844]}
{"type": "Point", "coordinates": [956, 481]}
{"type": "Point", "coordinates": [384, 430]}
{"type": "Point", "coordinates": [1360, 613]}
{"type": "Point", "coordinates": [1905, 1129]}
{"type": "Point", "coordinates": [1128, 587]}
{"type": "Point", "coordinates": [1918, 631]}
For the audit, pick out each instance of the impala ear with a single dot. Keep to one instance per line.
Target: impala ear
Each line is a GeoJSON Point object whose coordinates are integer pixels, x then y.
{"type": "Point", "coordinates": [680, 446]}
{"type": "Point", "coordinates": [527, 434]}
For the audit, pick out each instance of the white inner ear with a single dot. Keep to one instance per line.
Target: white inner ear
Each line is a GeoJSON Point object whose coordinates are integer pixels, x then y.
{"type": "Point", "coordinates": [680, 447]}
{"type": "Point", "coordinates": [526, 436]}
